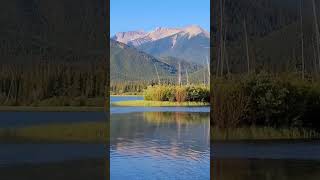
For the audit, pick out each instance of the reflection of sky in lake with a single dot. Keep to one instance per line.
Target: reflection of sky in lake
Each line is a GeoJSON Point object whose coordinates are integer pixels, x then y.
{"type": "Point", "coordinates": [125, 98]}
{"type": "Point", "coordinates": [159, 145]}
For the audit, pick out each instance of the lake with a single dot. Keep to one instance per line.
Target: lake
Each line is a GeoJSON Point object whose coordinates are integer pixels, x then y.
{"type": "Point", "coordinates": [36, 160]}
{"type": "Point", "coordinates": [23, 119]}
{"type": "Point", "coordinates": [266, 159]}
{"type": "Point", "coordinates": [152, 143]}
{"type": "Point", "coordinates": [140, 135]}
{"type": "Point", "coordinates": [159, 143]}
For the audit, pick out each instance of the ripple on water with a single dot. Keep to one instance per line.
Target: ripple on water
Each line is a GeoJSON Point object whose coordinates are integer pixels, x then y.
{"type": "Point", "coordinates": [143, 148]}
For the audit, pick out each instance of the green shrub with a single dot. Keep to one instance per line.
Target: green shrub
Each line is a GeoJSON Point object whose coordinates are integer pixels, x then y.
{"type": "Point", "coordinates": [273, 101]}
{"type": "Point", "coordinates": [199, 93]}
{"type": "Point", "coordinates": [267, 98]}
{"type": "Point", "coordinates": [195, 93]}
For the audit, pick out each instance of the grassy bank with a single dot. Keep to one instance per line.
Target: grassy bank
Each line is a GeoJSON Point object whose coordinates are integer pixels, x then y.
{"type": "Point", "coordinates": [88, 132]}
{"type": "Point", "coordinates": [263, 133]}
{"type": "Point", "coordinates": [51, 109]}
{"type": "Point", "coordinates": [60, 104]}
{"type": "Point", "coordinates": [145, 103]}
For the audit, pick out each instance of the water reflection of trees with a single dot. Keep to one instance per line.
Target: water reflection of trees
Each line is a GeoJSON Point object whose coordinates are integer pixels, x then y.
{"type": "Point", "coordinates": [161, 133]}
{"type": "Point", "coordinates": [178, 118]}
{"type": "Point", "coordinates": [135, 124]}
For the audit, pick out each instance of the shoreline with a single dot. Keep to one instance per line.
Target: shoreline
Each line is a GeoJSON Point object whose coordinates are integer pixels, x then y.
{"type": "Point", "coordinates": [144, 103]}
{"type": "Point", "coordinates": [126, 95]}
{"type": "Point", "coordinates": [82, 132]}
{"type": "Point", "coordinates": [262, 134]}
{"type": "Point", "coordinates": [51, 109]}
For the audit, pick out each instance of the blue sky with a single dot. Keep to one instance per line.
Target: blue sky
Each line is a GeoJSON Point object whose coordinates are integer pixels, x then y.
{"type": "Point", "coordinates": [127, 15]}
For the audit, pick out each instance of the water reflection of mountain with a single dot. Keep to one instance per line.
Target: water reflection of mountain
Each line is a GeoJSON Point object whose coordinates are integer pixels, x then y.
{"type": "Point", "coordinates": [158, 134]}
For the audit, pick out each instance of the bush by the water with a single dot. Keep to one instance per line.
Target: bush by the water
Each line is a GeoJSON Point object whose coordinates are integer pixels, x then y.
{"type": "Point", "coordinates": [266, 100]}
{"type": "Point", "coordinates": [193, 93]}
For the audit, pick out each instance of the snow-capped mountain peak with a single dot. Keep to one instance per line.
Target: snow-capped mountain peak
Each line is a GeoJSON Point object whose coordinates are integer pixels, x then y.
{"type": "Point", "coordinates": [194, 30]}
{"type": "Point", "coordinates": [137, 38]}
{"type": "Point", "coordinates": [126, 37]}
{"type": "Point", "coordinates": [186, 43]}
{"type": "Point", "coordinates": [161, 32]}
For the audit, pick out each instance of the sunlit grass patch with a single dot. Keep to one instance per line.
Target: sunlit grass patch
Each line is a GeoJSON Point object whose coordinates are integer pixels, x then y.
{"type": "Point", "coordinates": [263, 133]}
{"type": "Point", "coordinates": [88, 132]}
{"type": "Point", "coordinates": [52, 109]}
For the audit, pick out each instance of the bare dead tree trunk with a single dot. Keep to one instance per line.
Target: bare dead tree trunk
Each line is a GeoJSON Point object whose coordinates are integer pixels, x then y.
{"type": "Point", "coordinates": [314, 57]}
{"type": "Point", "coordinates": [294, 59]}
{"type": "Point", "coordinates": [302, 43]}
{"type": "Point", "coordinates": [317, 31]}
{"type": "Point", "coordinates": [247, 46]}
{"type": "Point", "coordinates": [204, 73]}
{"type": "Point", "coordinates": [157, 74]}
{"type": "Point", "coordinates": [208, 66]}
{"type": "Point", "coordinates": [187, 76]}
{"type": "Point", "coordinates": [227, 60]}
{"type": "Point", "coordinates": [10, 88]}
{"type": "Point", "coordinates": [179, 75]}
{"type": "Point", "coordinates": [222, 37]}
{"type": "Point", "coordinates": [225, 51]}
{"type": "Point", "coordinates": [224, 60]}
{"type": "Point", "coordinates": [220, 52]}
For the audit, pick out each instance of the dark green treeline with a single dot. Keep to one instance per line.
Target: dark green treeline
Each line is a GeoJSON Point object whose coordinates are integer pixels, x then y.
{"type": "Point", "coordinates": [53, 52]}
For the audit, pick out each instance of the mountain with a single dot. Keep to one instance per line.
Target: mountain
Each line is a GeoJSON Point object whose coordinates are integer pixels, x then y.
{"type": "Point", "coordinates": [33, 29]}
{"type": "Point", "coordinates": [128, 37]}
{"type": "Point", "coordinates": [190, 43]}
{"type": "Point", "coordinates": [185, 66]}
{"type": "Point", "coordinates": [137, 38]}
{"type": "Point", "coordinates": [129, 64]}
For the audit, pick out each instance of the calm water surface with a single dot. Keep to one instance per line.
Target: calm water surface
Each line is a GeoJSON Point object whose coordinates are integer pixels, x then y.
{"type": "Point", "coordinates": [28, 160]}
{"type": "Point", "coordinates": [159, 143]}
{"type": "Point", "coordinates": [154, 143]}
{"type": "Point", "coordinates": [264, 160]}
{"type": "Point", "coordinates": [265, 169]}
{"type": "Point", "coordinates": [23, 119]}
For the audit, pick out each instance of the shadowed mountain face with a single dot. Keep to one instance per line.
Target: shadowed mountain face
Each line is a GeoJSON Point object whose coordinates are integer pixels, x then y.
{"type": "Point", "coordinates": [34, 27]}
{"type": "Point", "coordinates": [128, 63]}
{"type": "Point", "coordinates": [184, 65]}
{"type": "Point", "coordinates": [190, 43]}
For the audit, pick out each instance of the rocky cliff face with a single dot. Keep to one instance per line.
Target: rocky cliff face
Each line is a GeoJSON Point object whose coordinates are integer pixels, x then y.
{"type": "Point", "coordinates": [190, 43]}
